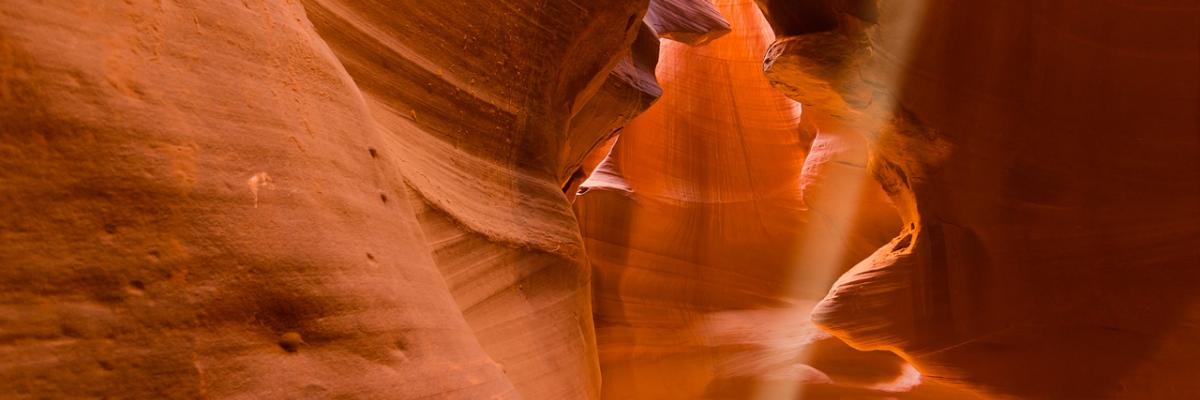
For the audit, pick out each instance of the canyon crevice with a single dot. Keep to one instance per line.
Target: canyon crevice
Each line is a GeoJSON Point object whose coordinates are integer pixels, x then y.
{"type": "Point", "coordinates": [623, 199]}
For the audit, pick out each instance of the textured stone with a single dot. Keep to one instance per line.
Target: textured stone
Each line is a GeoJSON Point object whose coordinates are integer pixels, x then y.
{"type": "Point", "coordinates": [373, 199]}
{"type": "Point", "coordinates": [234, 199]}
{"type": "Point", "coordinates": [718, 220]}
{"type": "Point", "coordinates": [1044, 162]}
{"type": "Point", "coordinates": [694, 22]}
{"type": "Point", "coordinates": [185, 185]}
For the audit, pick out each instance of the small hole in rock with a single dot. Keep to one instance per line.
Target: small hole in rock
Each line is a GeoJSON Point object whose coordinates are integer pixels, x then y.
{"type": "Point", "coordinates": [290, 342]}
{"type": "Point", "coordinates": [903, 243]}
{"type": "Point", "coordinates": [383, 197]}
{"type": "Point", "coordinates": [139, 285]}
{"type": "Point", "coordinates": [374, 154]}
{"type": "Point", "coordinates": [110, 228]}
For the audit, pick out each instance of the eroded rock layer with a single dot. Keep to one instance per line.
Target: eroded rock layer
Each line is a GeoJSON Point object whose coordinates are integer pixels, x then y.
{"type": "Point", "coordinates": [372, 199]}
{"type": "Point", "coordinates": [694, 22]}
{"type": "Point", "coordinates": [1044, 159]}
{"type": "Point", "coordinates": [717, 221]}
{"type": "Point", "coordinates": [331, 198]}
{"type": "Point", "coordinates": [196, 202]}
{"type": "Point", "coordinates": [480, 104]}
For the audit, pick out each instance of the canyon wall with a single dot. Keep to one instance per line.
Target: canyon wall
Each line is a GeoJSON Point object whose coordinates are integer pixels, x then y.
{"type": "Point", "coordinates": [370, 199]}
{"type": "Point", "coordinates": [315, 199]}
{"type": "Point", "coordinates": [197, 202]}
{"type": "Point", "coordinates": [721, 216]}
{"type": "Point", "coordinates": [1044, 160]}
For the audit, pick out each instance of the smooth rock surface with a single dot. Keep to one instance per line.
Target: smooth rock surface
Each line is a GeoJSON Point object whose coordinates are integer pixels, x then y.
{"type": "Point", "coordinates": [1044, 159]}
{"type": "Point", "coordinates": [694, 22]}
{"type": "Point", "coordinates": [718, 220]}
{"type": "Point", "coordinates": [331, 198]}
{"type": "Point", "coordinates": [195, 202]}
{"type": "Point", "coordinates": [459, 199]}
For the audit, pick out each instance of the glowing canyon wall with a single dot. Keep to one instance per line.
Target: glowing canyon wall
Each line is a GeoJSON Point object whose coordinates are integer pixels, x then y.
{"type": "Point", "coordinates": [717, 221]}
{"type": "Point", "coordinates": [1045, 159]}
{"type": "Point", "coordinates": [634, 199]}
{"type": "Point", "coordinates": [317, 199]}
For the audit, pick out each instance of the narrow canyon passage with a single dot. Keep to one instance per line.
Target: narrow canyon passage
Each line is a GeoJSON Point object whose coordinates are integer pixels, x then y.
{"type": "Point", "coordinates": [717, 222]}
{"type": "Point", "coordinates": [617, 199]}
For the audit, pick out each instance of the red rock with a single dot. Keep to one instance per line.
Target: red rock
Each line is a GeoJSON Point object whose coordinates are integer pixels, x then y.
{"type": "Point", "coordinates": [695, 22]}
{"type": "Point", "coordinates": [1050, 237]}
{"type": "Point", "coordinates": [186, 188]}
{"type": "Point", "coordinates": [367, 199]}
{"type": "Point", "coordinates": [216, 199]}
{"type": "Point", "coordinates": [714, 225]}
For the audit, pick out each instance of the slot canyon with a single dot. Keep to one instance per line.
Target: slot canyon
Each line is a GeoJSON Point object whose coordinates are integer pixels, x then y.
{"type": "Point", "coordinates": [586, 199]}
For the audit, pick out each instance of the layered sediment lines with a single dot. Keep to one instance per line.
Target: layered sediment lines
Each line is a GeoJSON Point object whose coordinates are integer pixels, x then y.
{"type": "Point", "coordinates": [1044, 161]}
{"type": "Point", "coordinates": [321, 199]}
{"type": "Point", "coordinates": [717, 221]}
{"type": "Point", "coordinates": [478, 106]}
{"type": "Point", "coordinates": [370, 199]}
{"type": "Point", "coordinates": [197, 202]}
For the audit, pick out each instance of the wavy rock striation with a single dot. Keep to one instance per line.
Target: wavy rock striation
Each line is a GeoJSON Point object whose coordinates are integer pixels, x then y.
{"type": "Point", "coordinates": [479, 108]}
{"type": "Point", "coordinates": [197, 202]}
{"type": "Point", "coordinates": [695, 22]}
{"type": "Point", "coordinates": [717, 221]}
{"type": "Point", "coordinates": [331, 198]}
{"type": "Point", "coordinates": [1048, 182]}
{"type": "Point", "coordinates": [373, 199]}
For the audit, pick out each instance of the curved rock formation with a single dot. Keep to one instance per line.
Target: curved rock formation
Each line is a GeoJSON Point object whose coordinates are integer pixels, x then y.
{"type": "Point", "coordinates": [373, 199]}
{"type": "Point", "coordinates": [191, 210]}
{"type": "Point", "coordinates": [717, 221]}
{"type": "Point", "coordinates": [478, 106]}
{"type": "Point", "coordinates": [694, 22]}
{"type": "Point", "coordinates": [242, 211]}
{"type": "Point", "coordinates": [1048, 181]}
